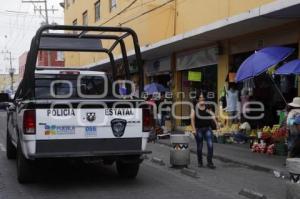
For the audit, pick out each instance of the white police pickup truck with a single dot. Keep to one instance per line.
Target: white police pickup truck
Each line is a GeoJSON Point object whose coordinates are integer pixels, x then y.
{"type": "Point", "coordinates": [74, 113]}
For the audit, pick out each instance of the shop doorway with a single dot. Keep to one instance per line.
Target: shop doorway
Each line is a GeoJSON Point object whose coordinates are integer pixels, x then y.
{"type": "Point", "coordinates": [195, 81]}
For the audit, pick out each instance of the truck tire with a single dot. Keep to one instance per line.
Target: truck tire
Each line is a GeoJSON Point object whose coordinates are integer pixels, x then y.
{"type": "Point", "coordinates": [127, 170]}
{"type": "Point", "coordinates": [25, 167]}
{"type": "Point", "coordinates": [11, 151]}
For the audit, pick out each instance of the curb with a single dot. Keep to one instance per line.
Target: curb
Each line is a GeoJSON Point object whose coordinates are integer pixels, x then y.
{"type": "Point", "coordinates": [158, 161]}
{"type": "Point", "coordinates": [226, 159]}
{"type": "Point", "coordinates": [190, 172]}
{"type": "Point", "coordinates": [252, 194]}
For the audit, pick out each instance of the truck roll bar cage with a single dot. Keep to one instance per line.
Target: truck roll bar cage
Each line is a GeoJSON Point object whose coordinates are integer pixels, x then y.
{"type": "Point", "coordinates": [82, 42]}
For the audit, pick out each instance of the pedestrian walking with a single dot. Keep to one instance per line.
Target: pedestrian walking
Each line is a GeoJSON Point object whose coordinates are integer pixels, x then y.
{"type": "Point", "coordinates": [203, 121]}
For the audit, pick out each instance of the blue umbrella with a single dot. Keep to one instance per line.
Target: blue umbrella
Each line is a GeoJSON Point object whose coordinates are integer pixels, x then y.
{"type": "Point", "coordinates": [292, 67]}
{"type": "Point", "coordinates": [154, 88]}
{"type": "Point", "coordinates": [261, 60]}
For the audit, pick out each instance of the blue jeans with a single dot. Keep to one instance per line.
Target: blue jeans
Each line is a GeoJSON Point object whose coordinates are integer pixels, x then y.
{"type": "Point", "coordinates": [294, 145]}
{"type": "Point", "coordinates": [163, 119]}
{"type": "Point", "coordinates": [207, 134]}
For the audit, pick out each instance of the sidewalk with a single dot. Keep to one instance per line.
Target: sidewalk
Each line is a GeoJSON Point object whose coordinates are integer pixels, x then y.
{"type": "Point", "coordinates": [240, 154]}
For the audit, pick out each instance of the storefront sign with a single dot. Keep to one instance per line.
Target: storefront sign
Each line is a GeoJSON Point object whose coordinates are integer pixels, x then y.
{"type": "Point", "coordinates": [195, 76]}
{"type": "Point", "coordinates": [158, 66]}
{"type": "Point", "coordinates": [199, 58]}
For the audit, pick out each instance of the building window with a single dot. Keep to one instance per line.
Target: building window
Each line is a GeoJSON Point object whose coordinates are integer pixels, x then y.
{"type": "Point", "coordinates": [85, 18]}
{"type": "Point", "coordinates": [113, 5]}
{"type": "Point", "coordinates": [97, 10]}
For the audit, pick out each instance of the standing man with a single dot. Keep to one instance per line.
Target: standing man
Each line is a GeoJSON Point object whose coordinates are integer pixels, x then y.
{"type": "Point", "coordinates": [203, 121]}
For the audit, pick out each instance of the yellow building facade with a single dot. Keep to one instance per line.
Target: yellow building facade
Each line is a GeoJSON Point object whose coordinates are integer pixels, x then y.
{"type": "Point", "coordinates": [153, 20]}
{"type": "Point", "coordinates": [183, 36]}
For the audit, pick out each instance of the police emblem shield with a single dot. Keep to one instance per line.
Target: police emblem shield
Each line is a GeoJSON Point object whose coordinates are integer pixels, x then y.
{"type": "Point", "coordinates": [118, 127]}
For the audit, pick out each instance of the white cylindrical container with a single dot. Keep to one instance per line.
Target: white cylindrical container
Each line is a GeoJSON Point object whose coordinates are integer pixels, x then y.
{"type": "Point", "coordinates": [145, 136]}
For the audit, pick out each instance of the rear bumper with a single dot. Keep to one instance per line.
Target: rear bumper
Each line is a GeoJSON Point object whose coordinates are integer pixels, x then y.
{"type": "Point", "coordinates": [88, 148]}
{"type": "Point", "coordinates": [114, 154]}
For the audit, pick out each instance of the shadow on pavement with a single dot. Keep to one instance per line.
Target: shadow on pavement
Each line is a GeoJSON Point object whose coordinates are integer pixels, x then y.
{"type": "Point", "coordinates": [76, 172]}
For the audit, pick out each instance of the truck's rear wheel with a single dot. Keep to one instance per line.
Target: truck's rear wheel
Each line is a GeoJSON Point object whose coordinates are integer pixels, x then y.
{"type": "Point", "coordinates": [25, 168]}
{"type": "Point", "coordinates": [127, 170]}
{"type": "Point", "coordinates": [11, 151]}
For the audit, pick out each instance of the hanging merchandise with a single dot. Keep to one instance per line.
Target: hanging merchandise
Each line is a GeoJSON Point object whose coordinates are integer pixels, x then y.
{"type": "Point", "coordinates": [282, 117]}
{"type": "Point", "coordinates": [296, 81]}
{"type": "Point", "coordinates": [244, 101]}
{"type": "Point", "coordinates": [232, 100]}
{"type": "Point", "coordinates": [271, 70]}
{"type": "Point", "coordinates": [284, 84]}
{"type": "Point", "coordinates": [223, 98]}
{"type": "Point", "coordinates": [249, 85]}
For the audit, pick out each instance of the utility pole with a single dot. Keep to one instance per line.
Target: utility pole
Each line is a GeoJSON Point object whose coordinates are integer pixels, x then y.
{"type": "Point", "coordinates": [46, 10]}
{"type": "Point", "coordinates": [11, 69]}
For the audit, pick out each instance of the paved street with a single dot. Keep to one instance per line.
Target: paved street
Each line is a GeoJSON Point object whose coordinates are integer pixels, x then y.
{"type": "Point", "coordinates": [79, 180]}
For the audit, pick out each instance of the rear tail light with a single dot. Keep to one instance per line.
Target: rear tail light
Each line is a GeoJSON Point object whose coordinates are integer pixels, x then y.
{"type": "Point", "coordinates": [147, 120]}
{"type": "Point", "coordinates": [29, 122]}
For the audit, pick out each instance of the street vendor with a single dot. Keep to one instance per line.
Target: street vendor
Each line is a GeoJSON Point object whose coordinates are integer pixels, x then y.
{"type": "Point", "coordinates": [293, 124]}
{"type": "Point", "coordinates": [241, 136]}
{"type": "Point", "coordinates": [203, 121]}
{"type": "Point", "coordinates": [295, 146]}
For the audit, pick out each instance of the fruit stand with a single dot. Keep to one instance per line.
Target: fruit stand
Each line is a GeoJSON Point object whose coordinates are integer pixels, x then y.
{"type": "Point", "coordinates": [270, 140]}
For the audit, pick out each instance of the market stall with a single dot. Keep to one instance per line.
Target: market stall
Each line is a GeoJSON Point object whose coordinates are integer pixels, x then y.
{"type": "Point", "coordinates": [269, 140]}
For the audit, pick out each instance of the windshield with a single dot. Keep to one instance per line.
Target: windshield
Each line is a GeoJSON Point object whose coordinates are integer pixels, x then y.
{"type": "Point", "coordinates": [71, 86]}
